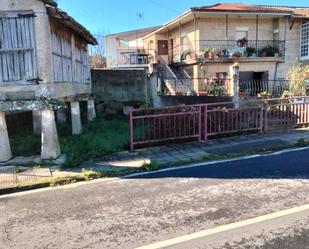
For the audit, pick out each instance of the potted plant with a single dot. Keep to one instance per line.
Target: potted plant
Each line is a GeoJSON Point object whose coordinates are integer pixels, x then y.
{"type": "Point", "coordinates": [250, 52]}
{"type": "Point", "coordinates": [242, 42]}
{"type": "Point", "coordinates": [269, 51]}
{"type": "Point", "coordinates": [221, 53]}
{"type": "Point", "coordinates": [209, 53]}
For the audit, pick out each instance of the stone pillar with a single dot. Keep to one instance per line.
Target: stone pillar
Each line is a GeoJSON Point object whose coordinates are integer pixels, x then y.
{"type": "Point", "coordinates": [5, 147]}
{"type": "Point", "coordinates": [154, 87]}
{"type": "Point", "coordinates": [76, 118]}
{"type": "Point", "coordinates": [50, 148]}
{"type": "Point", "coordinates": [61, 116]}
{"type": "Point", "coordinates": [37, 122]}
{"type": "Point", "coordinates": [91, 110]}
{"type": "Point", "coordinates": [234, 73]}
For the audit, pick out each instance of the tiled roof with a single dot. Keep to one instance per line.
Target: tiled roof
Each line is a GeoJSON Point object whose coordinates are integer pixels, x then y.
{"type": "Point", "coordinates": [68, 21]}
{"type": "Point", "coordinates": [230, 7]}
{"type": "Point", "coordinates": [50, 2]}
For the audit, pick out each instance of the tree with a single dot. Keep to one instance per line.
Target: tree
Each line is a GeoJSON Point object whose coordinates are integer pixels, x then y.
{"type": "Point", "coordinates": [97, 53]}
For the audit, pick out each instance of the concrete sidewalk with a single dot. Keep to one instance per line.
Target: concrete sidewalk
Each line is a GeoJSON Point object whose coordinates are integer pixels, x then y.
{"type": "Point", "coordinates": [173, 154]}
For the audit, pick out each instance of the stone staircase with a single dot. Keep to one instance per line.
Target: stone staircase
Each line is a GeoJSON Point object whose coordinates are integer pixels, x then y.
{"type": "Point", "coordinates": [172, 80]}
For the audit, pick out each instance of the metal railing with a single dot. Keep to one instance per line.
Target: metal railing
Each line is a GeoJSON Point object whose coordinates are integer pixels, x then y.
{"type": "Point", "coordinates": [196, 86]}
{"type": "Point", "coordinates": [134, 56]}
{"type": "Point", "coordinates": [254, 87]}
{"type": "Point", "coordinates": [222, 87]}
{"type": "Point", "coordinates": [229, 49]}
{"type": "Point", "coordinates": [201, 122]}
{"type": "Point", "coordinates": [14, 178]}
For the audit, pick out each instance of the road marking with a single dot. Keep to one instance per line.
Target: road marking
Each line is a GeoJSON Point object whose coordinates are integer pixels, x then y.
{"type": "Point", "coordinates": [224, 228]}
{"type": "Point", "coordinates": [195, 165]}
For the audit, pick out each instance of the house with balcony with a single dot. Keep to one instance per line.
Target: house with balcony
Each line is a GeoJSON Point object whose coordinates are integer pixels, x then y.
{"type": "Point", "coordinates": [194, 52]}
{"type": "Point", "coordinates": [43, 64]}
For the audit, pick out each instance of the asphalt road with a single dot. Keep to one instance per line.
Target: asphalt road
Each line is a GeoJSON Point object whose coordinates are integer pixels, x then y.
{"type": "Point", "coordinates": [129, 213]}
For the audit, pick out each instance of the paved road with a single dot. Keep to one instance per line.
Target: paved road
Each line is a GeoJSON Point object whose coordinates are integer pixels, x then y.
{"type": "Point", "coordinates": [133, 212]}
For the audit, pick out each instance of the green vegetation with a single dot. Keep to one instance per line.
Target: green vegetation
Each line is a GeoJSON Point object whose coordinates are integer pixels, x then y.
{"type": "Point", "coordinates": [302, 142]}
{"type": "Point", "coordinates": [103, 136]}
{"type": "Point", "coordinates": [297, 80]}
{"type": "Point", "coordinates": [99, 138]}
{"type": "Point", "coordinates": [25, 144]}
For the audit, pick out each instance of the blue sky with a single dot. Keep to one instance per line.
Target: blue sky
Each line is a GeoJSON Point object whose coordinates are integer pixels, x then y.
{"type": "Point", "coordinates": [111, 16]}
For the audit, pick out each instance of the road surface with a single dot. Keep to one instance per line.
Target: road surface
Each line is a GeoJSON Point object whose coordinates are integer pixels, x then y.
{"type": "Point", "coordinates": [141, 210]}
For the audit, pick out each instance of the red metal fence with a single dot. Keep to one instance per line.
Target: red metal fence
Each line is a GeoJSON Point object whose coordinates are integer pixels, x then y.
{"type": "Point", "coordinates": [200, 122]}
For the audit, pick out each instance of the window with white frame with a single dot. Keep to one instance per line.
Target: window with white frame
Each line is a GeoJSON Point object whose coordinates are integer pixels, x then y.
{"type": "Point", "coordinates": [304, 43]}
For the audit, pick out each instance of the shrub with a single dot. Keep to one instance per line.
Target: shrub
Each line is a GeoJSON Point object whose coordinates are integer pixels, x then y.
{"type": "Point", "coordinates": [297, 80]}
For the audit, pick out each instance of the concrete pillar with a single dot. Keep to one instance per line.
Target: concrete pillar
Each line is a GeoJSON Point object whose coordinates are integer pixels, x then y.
{"type": "Point", "coordinates": [91, 110]}
{"type": "Point", "coordinates": [234, 73]}
{"type": "Point", "coordinates": [61, 116]}
{"type": "Point", "coordinates": [5, 147]}
{"type": "Point", "coordinates": [154, 87]}
{"type": "Point", "coordinates": [50, 148]}
{"type": "Point", "coordinates": [76, 118]}
{"type": "Point", "coordinates": [37, 122]}
{"type": "Point", "coordinates": [196, 76]}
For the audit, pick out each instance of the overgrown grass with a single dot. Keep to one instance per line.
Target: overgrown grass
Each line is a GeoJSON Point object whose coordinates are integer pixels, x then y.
{"type": "Point", "coordinates": [99, 138]}
{"type": "Point", "coordinates": [25, 144]}
{"type": "Point", "coordinates": [103, 136]}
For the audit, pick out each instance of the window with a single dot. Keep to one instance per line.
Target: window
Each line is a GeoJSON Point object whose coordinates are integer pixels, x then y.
{"type": "Point", "coordinates": [17, 48]}
{"type": "Point", "coordinates": [304, 43]}
{"type": "Point", "coordinates": [241, 33]}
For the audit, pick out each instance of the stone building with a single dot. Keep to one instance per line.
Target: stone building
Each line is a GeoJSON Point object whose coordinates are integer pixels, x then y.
{"type": "Point", "coordinates": [195, 51]}
{"type": "Point", "coordinates": [43, 64]}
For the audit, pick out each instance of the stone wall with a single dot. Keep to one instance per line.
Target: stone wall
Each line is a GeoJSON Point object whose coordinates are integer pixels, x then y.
{"type": "Point", "coordinates": [120, 85]}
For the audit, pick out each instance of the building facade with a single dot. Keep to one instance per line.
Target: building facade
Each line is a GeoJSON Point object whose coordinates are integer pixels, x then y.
{"type": "Point", "coordinates": [195, 51]}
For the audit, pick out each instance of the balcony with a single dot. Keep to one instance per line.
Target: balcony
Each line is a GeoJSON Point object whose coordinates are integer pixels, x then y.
{"type": "Point", "coordinates": [134, 57]}
{"type": "Point", "coordinates": [222, 50]}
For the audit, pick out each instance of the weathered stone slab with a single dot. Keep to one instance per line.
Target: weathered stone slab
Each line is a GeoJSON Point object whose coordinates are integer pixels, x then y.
{"type": "Point", "coordinates": [76, 118]}
{"type": "Point", "coordinates": [21, 95]}
{"type": "Point", "coordinates": [50, 143]}
{"type": "Point", "coordinates": [5, 147]}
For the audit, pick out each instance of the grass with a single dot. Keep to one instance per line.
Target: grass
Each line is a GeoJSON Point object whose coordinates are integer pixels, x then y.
{"type": "Point", "coordinates": [25, 144]}
{"type": "Point", "coordinates": [103, 136]}
{"type": "Point", "coordinates": [99, 138]}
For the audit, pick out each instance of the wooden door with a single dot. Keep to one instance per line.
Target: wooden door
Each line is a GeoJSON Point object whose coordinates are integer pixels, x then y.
{"type": "Point", "coordinates": [162, 47]}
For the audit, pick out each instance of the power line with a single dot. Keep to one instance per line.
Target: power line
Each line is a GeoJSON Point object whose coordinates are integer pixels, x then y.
{"type": "Point", "coordinates": [164, 6]}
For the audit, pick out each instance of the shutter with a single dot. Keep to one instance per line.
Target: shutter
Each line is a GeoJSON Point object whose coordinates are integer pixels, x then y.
{"type": "Point", "coordinates": [17, 49]}
{"type": "Point", "coordinates": [62, 58]}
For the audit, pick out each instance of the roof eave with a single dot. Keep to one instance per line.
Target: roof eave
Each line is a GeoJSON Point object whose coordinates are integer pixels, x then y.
{"type": "Point", "coordinates": [166, 25]}
{"type": "Point", "coordinates": [192, 11]}
{"type": "Point", "coordinates": [243, 12]}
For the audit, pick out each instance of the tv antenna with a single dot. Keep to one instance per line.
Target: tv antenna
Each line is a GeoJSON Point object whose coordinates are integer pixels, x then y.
{"type": "Point", "coordinates": [140, 18]}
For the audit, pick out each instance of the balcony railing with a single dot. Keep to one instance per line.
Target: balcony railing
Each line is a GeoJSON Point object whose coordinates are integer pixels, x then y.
{"type": "Point", "coordinates": [229, 49]}
{"type": "Point", "coordinates": [134, 56]}
{"type": "Point", "coordinates": [222, 87]}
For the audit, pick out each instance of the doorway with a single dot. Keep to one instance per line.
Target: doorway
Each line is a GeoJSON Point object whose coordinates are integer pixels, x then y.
{"type": "Point", "coordinates": [252, 83]}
